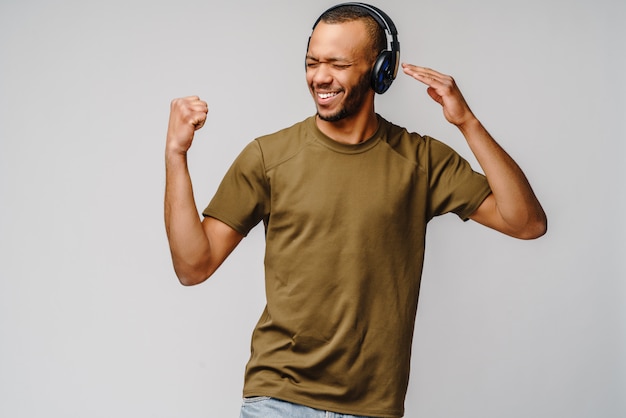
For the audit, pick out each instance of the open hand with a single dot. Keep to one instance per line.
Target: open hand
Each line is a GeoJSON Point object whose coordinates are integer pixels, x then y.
{"type": "Point", "coordinates": [443, 89]}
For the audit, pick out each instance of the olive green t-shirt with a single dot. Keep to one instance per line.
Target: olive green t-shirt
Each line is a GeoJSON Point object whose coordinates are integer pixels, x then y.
{"type": "Point", "coordinates": [345, 228]}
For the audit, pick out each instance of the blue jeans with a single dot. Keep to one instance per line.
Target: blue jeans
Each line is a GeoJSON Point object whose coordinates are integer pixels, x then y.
{"type": "Point", "coordinates": [265, 407]}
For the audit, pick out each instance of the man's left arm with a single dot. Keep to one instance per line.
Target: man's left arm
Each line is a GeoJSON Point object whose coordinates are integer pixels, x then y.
{"type": "Point", "coordinates": [512, 208]}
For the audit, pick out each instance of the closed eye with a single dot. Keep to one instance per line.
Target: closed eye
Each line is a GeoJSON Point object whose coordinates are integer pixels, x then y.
{"type": "Point", "coordinates": [335, 63]}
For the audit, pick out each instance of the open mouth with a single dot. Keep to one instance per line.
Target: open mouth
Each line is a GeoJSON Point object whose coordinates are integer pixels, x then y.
{"type": "Point", "coordinates": [327, 98]}
{"type": "Point", "coordinates": [326, 95]}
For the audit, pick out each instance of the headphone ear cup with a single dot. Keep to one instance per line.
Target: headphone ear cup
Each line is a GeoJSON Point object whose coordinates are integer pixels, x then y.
{"type": "Point", "coordinates": [382, 72]}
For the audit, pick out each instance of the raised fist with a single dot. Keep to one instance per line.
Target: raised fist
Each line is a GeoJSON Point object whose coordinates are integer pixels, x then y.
{"type": "Point", "coordinates": [187, 115]}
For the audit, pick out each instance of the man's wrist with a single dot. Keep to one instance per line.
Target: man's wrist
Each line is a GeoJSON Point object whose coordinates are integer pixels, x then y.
{"type": "Point", "coordinates": [175, 156]}
{"type": "Point", "coordinates": [470, 126]}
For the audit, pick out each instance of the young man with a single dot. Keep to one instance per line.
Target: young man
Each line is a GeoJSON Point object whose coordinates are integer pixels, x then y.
{"type": "Point", "coordinates": [345, 197]}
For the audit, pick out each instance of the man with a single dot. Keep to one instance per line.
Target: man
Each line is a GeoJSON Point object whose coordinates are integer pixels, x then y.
{"type": "Point", "coordinates": [344, 197]}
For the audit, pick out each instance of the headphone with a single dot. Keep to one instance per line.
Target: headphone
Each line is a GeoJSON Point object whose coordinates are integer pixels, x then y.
{"type": "Point", "coordinates": [385, 68]}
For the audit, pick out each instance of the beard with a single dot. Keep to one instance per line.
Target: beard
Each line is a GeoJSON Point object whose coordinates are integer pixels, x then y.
{"type": "Point", "coordinates": [353, 101]}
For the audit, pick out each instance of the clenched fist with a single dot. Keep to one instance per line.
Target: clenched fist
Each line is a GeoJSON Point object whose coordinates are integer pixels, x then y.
{"type": "Point", "coordinates": [187, 115]}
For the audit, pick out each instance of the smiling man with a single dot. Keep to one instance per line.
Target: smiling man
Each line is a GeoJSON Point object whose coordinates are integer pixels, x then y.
{"type": "Point", "coordinates": [345, 197]}
{"type": "Point", "coordinates": [339, 63]}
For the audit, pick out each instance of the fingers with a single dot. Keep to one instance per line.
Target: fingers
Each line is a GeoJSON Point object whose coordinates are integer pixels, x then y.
{"type": "Point", "coordinates": [192, 103]}
{"type": "Point", "coordinates": [190, 110]}
{"type": "Point", "coordinates": [434, 95]}
{"type": "Point", "coordinates": [427, 76]}
{"type": "Point", "coordinates": [443, 89]}
{"type": "Point", "coordinates": [439, 85]}
{"type": "Point", "coordinates": [187, 115]}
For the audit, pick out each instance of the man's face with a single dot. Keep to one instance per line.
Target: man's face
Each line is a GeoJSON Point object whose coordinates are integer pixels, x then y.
{"type": "Point", "coordinates": [338, 69]}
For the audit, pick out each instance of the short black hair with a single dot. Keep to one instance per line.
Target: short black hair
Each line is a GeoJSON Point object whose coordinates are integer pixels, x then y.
{"type": "Point", "coordinates": [349, 13]}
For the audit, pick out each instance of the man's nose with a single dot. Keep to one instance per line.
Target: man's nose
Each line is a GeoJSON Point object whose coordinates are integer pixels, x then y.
{"type": "Point", "coordinates": [322, 74]}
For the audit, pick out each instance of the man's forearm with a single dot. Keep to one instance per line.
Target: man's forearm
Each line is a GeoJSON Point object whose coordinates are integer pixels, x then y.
{"type": "Point", "coordinates": [189, 244]}
{"type": "Point", "coordinates": [514, 197]}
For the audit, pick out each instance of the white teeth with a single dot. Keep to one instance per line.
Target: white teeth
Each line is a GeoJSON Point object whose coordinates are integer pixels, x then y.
{"type": "Point", "coordinates": [326, 95]}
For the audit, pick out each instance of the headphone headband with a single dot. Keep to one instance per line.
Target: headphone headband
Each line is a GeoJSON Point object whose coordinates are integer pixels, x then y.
{"type": "Point", "coordinates": [381, 17]}
{"type": "Point", "coordinates": [386, 66]}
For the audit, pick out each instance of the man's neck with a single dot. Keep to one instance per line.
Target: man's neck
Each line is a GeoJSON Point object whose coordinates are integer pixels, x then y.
{"type": "Point", "coordinates": [351, 130]}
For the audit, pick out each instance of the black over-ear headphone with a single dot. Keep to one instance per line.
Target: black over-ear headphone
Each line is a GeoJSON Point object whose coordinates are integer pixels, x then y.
{"type": "Point", "coordinates": [385, 68]}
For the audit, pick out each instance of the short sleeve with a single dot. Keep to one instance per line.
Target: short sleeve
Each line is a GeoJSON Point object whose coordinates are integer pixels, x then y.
{"type": "Point", "coordinates": [454, 186]}
{"type": "Point", "coordinates": [242, 198]}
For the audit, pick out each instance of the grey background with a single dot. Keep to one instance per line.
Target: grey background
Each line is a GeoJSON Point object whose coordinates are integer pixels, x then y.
{"type": "Point", "coordinates": [93, 322]}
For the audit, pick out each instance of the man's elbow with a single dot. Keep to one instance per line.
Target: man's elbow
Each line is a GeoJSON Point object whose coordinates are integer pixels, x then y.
{"type": "Point", "coordinates": [190, 276]}
{"type": "Point", "coordinates": [188, 280]}
{"type": "Point", "coordinates": [534, 229]}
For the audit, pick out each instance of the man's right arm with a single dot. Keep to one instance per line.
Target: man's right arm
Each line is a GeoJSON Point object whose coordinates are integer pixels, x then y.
{"type": "Point", "coordinates": [198, 248]}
